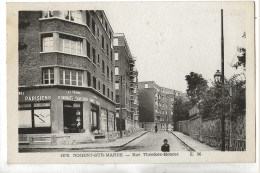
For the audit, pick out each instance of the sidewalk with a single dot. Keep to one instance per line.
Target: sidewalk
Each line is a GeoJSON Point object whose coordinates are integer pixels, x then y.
{"type": "Point", "coordinates": [113, 144]}
{"type": "Point", "coordinates": [192, 143]}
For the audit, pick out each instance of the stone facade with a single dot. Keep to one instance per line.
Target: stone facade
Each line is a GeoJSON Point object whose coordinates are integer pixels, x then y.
{"type": "Point", "coordinates": [209, 131]}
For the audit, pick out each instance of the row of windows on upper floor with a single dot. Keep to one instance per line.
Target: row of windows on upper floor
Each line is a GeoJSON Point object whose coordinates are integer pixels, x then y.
{"type": "Point", "coordinates": [75, 78]}
{"type": "Point", "coordinates": [72, 45]}
{"type": "Point", "coordinates": [81, 17]}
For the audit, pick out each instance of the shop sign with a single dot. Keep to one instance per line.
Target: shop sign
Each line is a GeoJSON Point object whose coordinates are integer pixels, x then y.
{"type": "Point", "coordinates": [73, 92]}
{"type": "Point", "coordinates": [37, 98]}
{"type": "Point", "coordinates": [76, 98]}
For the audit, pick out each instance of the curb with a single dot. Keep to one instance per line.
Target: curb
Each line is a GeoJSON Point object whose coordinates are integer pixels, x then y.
{"type": "Point", "coordinates": [78, 148]}
{"type": "Point", "coordinates": [182, 142]}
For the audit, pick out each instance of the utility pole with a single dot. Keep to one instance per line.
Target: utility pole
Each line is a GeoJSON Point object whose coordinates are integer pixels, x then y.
{"type": "Point", "coordinates": [223, 82]}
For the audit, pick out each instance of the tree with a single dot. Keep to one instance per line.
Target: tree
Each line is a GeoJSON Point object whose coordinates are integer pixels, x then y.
{"type": "Point", "coordinates": [241, 59]}
{"type": "Point", "coordinates": [196, 86]}
{"type": "Point", "coordinates": [181, 109]}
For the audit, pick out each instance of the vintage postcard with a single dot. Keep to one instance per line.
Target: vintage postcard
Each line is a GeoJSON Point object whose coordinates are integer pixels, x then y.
{"type": "Point", "coordinates": [131, 82]}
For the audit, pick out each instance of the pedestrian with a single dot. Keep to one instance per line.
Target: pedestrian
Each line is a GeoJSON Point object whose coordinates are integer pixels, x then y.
{"type": "Point", "coordinates": [155, 128]}
{"type": "Point", "coordinates": [165, 147]}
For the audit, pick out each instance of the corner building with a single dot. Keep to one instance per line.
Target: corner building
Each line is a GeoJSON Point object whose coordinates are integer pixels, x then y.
{"type": "Point", "coordinates": [66, 77]}
{"type": "Point", "coordinates": [155, 106]}
{"type": "Point", "coordinates": [127, 90]}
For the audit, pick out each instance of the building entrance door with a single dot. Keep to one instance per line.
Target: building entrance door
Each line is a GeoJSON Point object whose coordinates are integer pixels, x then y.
{"type": "Point", "coordinates": [73, 117]}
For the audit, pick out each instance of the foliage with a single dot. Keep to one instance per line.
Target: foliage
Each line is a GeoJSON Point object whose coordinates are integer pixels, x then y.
{"type": "Point", "coordinates": [181, 109]}
{"type": "Point", "coordinates": [196, 86]}
{"type": "Point", "coordinates": [241, 59]}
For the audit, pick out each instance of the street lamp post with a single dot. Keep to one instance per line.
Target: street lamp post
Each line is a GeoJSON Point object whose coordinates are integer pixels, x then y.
{"type": "Point", "coordinates": [222, 80]}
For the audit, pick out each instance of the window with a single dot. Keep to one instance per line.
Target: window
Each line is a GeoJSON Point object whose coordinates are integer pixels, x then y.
{"type": "Point", "coordinates": [106, 26]}
{"type": "Point", "coordinates": [117, 99]}
{"type": "Point", "coordinates": [112, 76]}
{"type": "Point", "coordinates": [48, 76]}
{"type": "Point", "coordinates": [94, 55]}
{"type": "Point", "coordinates": [107, 72]}
{"type": "Point", "coordinates": [104, 89]}
{"type": "Point", "coordinates": [116, 56]}
{"type": "Point", "coordinates": [103, 66]}
{"type": "Point", "coordinates": [112, 95]}
{"type": "Point", "coordinates": [101, 16]}
{"type": "Point", "coordinates": [98, 33]}
{"type": "Point", "coordinates": [107, 50]}
{"type": "Point", "coordinates": [93, 27]}
{"type": "Point", "coordinates": [47, 42]}
{"type": "Point", "coordinates": [75, 16]}
{"type": "Point", "coordinates": [98, 59]}
{"type": "Point", "coordinates": [99, 87]}
{"type": "Point", "coordinates": [110, 34]}
{"type": "Point", "coordinates": [69, 44]}
{"type": "Point", "coordinates": [88, 49]}
{"type": "Point", "coordinates": [108, 92]}
{"type": "Point", "coordinates": [94, 118]}
{"type": "Point", "coordinates": [146, 85]}
{"type": "Point", "coordinates": [117, 85]}
{"type": "Point", "coordinates": [71, 77]}
{"type": "Point", "coordinates": [34, 118]}
{"type": "Point", "coordinates": [89, 79]}
{"type": "Point", "coordinates": [94, 83]}
{"type": "Point", "coordinates": [103, 42]}
{"type": "Point", "coordinates": [116, 70]}
{"type": "Point", "coordinates": [111, 55]}
{"type": "Point", "coordinates": [115, 41]}
{"type": "Point", "coordinates": [88, 18]}
{"type": "Point", "coordinates": [47, 14]}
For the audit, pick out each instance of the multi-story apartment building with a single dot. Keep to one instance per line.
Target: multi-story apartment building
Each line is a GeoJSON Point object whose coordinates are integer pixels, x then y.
{"type": "Point", "coordinates": [155, 106]}
{"type": "Point", "coordinates": [66, 75]}
{"type": "Point", "coordinates": [125, 84]}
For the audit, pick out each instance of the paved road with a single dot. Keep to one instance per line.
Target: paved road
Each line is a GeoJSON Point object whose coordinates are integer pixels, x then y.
{"type": "Point", "coordinates": [152, 141]}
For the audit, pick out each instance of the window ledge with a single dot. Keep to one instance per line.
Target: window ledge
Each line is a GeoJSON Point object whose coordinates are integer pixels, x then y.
{"type": "Point", "coordinates": [66, 54]}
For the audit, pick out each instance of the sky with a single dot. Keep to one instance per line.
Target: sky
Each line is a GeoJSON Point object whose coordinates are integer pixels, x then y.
{"type": "Point", "coordinates": [170, 40]}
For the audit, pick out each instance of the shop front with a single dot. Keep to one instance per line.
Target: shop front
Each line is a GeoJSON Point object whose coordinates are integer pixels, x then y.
{"type": "Point", "coordinates": [64, 116]}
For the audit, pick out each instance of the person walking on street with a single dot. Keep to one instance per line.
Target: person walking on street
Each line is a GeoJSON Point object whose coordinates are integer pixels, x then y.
{"type": "Point", "coordinates": [155, 128]}
{"type": "Point", "coordinates": [165, 147]}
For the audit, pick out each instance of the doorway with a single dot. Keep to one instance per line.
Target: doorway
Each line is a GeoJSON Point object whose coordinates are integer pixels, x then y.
{"type": "Point", "coordinates": [73, 117]}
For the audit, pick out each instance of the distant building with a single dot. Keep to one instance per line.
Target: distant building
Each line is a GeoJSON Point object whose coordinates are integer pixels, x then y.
{"type": "Point", "coordinates": [155, 105]}
{"type": "Point", "coordinates": [127, 94]}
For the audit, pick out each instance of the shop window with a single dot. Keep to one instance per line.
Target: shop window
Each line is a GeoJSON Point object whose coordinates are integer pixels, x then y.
{"type": "Point", "coordinates": [48, 76]}
{"type": "Point", "coordinates": [73, 117]}
{"type": "Point", "coordinates": [70, 44]}
{"type": "Point", "coordinates": [47, 42]}
{"type": "Point", "coordinates": [94, 120]}
{"type": "Point", "coordinates": [104, 120]}
{"type": "Point", "coordinates": [47, 14]}
{"type": "Point", "coordinates": [71, 77]}
{"type": "Point", "coordinates": [34, 118]}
